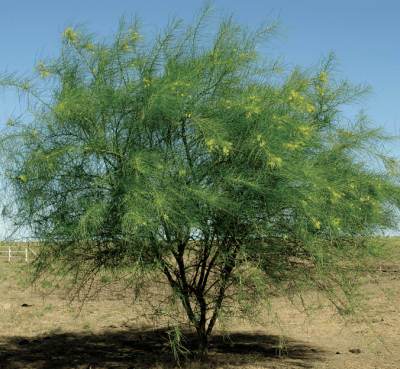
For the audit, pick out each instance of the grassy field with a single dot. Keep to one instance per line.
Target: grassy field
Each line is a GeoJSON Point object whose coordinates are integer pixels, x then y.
{"type": "Point", "coordinates": [40, 331]}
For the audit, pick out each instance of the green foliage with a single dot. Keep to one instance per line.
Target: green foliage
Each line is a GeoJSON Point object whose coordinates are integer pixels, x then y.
{"type": "Point", "coordinates": [87, 325]}
{"type": "Point", "coordinates": [105, 278]}
{"type": "Point", "coordinates": [46, 284]}
{"type": "Point", "coordinates": [140, 144]}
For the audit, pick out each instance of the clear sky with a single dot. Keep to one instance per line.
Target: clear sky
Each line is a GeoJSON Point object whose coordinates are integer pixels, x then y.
{"type": "Point", "coordinates": [365, 36]}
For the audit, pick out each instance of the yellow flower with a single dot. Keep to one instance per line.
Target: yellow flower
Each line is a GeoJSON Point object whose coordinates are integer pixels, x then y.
{"type": "Point", "coordinates": [322, 77]}
{"type": "Point", "coordinates": [135, 37]}
{"type": "Point", "coordinates": [45, 74]}
{"type": "Point", "coordinates": [41, 64]}
{"type": "Point", "coordinates": [69, 34]}
{"type": "Point", "coordinates": [226, 148]}
{"type": "Point", "coordinates": [34, 133]}
{"type": "Point", "coordinates": [275, 161]}
{"type": "Point", "coordinates": [125, 47]}
{"type": "Point", "coordinates": [291, 146]}
{"type": "Point", "coordinates": [210, 143]}
{"type": "Point", "coordinates": [316, 223]}
{"type": "Point", "coordinates": [10, 122]}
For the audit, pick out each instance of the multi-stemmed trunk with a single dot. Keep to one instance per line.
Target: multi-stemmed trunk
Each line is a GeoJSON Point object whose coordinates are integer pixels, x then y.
{"type": "Point", "coordinates": [187, 290]}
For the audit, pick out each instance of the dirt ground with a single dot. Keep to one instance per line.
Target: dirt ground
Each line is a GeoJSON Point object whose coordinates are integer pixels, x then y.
{"type": "Point", "coordinates": [44, 333]}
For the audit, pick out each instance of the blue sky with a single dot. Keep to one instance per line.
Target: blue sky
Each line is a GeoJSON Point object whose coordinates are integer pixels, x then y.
{"type": "Point", "coordinates": [365, 36]}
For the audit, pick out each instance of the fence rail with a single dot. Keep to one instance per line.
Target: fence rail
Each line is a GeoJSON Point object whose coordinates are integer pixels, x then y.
{"type": "Point", "coordinates": [18, 245]}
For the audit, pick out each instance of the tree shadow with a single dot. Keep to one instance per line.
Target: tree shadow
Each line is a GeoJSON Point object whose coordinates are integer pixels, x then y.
{"type": "Point", "coordinates": [133, 347]}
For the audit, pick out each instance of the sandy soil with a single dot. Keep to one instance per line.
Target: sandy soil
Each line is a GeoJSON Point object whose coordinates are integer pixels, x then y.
{"type": "Point", "coordinates": [37, 332]}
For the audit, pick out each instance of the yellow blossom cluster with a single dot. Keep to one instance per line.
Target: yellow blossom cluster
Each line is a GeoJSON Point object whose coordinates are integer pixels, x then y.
{"type": "Point", "coordinates": [141, 223]}
{"type": "Point", "coordinates": [316, 223]}
{"type": "Point", "coordinates": [176, 85]}
{"type": "Point", "coordinates": [43, 71]}
{"type": "Point", "coordinates": [210, 143]}
{"type": "Point", "coordinates": [335, 223]}
{"type": "Point", "coordinates": [69, 34]}
{"type": "Point", "coordinates": [336, 196]}
{"type": "Point", "coordinates": [297, 102]}
{"type": "Point", "coordinates": [274, 161]}
{"type": "Point", "coordinates": [134, 36]}
{"type": "Point", "coordinates": [125, 47]}
{"type": "Point", "coordinates": [253, 107]}
{"type": "Point", "coordinates": [322, 78]}
{"type": "Point", "coordinates": [226, 146]}
{"type": "Point", "coordinates": [90, 47]}
{"type": "Point", "coordinates": [306, 129]}
{"type": "Point", "coordinates": [146, 82]}
{"type": "Point", "coordinates": [259, 138]}
{"type": "Point", "coordinates": [291, 146]}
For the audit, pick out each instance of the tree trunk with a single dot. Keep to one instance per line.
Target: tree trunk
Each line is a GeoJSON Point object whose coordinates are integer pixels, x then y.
{"type": "Point", "coordinates": [202, 345]}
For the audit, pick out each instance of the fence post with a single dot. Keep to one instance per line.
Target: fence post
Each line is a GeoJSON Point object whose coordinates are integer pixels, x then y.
{"type": "Point", "coordinates": [9, 251]}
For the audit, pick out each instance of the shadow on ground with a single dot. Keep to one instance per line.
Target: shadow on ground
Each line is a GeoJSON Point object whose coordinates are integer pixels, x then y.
{"type": "Point", "coordinates": [139, 348]}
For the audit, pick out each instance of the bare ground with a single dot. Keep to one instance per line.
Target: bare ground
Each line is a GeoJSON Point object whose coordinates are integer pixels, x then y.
{"type": "Point", "coordinates": [38, 332]}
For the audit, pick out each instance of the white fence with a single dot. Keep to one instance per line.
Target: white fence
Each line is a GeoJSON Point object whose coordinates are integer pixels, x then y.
{"type": "Point", "coordinates": [9, 250]}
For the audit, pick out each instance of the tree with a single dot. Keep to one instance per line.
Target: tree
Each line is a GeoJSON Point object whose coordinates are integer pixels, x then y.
{"type": "Point", "coordinates": [138, 145]}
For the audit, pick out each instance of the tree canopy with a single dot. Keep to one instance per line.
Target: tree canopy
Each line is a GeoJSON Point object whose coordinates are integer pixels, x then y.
{"type": "Point", "coordinates": [135, 146]}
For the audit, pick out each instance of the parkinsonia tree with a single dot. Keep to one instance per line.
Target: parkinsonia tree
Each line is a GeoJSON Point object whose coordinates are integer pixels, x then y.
{"type": "Point", "coordinates": [135, 148]}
